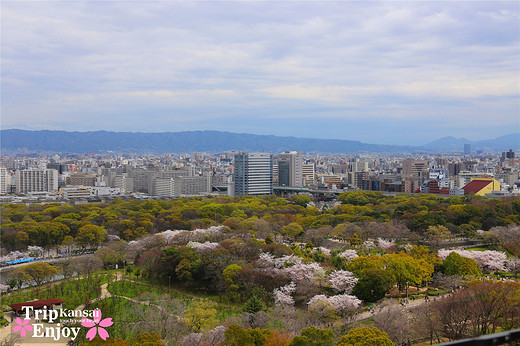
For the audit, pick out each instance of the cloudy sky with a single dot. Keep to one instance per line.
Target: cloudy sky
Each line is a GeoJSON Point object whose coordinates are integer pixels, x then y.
{"type": "Point", "coordinates": [380, 72]}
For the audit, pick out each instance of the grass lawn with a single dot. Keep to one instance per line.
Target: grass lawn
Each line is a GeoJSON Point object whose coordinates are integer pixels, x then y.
{"type": "Point", "coordinates": [73, 291]}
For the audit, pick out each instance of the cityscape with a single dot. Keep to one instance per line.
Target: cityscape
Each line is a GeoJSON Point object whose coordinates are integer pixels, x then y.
{"type": "Point", "coordinates": [259, 173]}
{"type": "Point", "coordinates": [93, 178]}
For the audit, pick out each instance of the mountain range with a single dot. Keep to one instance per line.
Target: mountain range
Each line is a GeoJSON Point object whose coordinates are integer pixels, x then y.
{"type": "Point", "coordinates": [14, 140]}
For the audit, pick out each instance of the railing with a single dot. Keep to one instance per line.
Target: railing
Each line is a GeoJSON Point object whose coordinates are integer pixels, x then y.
{"type": "Point", "coordinates": [491, 339]}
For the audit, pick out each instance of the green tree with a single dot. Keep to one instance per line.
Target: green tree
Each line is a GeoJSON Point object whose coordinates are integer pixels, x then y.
{"type": "Point", "coordinates": [40, 272]}
{"type": "Point", "coordinates": [373, 284]}
{"type": "Point", "coordinates": [365, 336]}
{"type": "Point", "coordinates": [406, 269]}
{"type": "Point", "coordinates": [312, 336]}
{"type": "Point", "coordinates": [438, 233]}
{"type": "Point", "coordinates": [456, 264]}
{"type": "Point", "coordinates": [302, 200]}
{"type": "Point", "coordinates": [292, 230]}
{"type": "Point", "coordinates": [358, 264]}
{"type": "Point", "coordinates": [238, 336]}
{"type": "Point", "coordinates": [67, 242]}
{"type": "Point", "coordinates": [254, 305]}
{"type": "Point", "coordinates": [201, 316]}
{"type": "Point", "coordinates": [90, 235]}
{"type": "Point", "coordinates": [147, 339]}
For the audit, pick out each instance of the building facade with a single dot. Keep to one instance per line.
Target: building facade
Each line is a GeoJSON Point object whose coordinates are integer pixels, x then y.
{"type": "Point", "coordinates": [290, 168]}
{"type": "Point", "coordinates": [253, 174]}
{"type": "Point", "coordinates": [36, 180]}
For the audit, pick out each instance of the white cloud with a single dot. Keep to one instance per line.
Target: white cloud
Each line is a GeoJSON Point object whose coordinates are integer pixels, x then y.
{"type": "Point", "coordinates": [392, 60]}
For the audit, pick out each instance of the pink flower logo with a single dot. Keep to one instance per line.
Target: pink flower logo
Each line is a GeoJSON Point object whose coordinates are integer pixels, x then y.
{"type": "Point", "coordinates": [22, 326]}
{"type": "Point", "coordinates": [93, 331]}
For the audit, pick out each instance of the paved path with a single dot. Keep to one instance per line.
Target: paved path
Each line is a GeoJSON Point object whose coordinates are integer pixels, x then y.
{"type": "Point", "coordinates": [393, 305]}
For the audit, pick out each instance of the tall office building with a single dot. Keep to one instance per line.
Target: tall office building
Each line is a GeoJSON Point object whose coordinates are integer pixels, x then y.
{"type": "Point", "coordinates": [467, 149]}
{"type": "Point", "coordinates": [36, 180]}
{"type": "Point", "coordinates": [253, 174]}
{"type": "Point", "coordinates": [3, 180]}
{"type": "Point", "coordinates": [414, 168]}
{"type": "Point", "coordinates": [308, 173]}
{"type": "Point", "coordinates": [290, 168]}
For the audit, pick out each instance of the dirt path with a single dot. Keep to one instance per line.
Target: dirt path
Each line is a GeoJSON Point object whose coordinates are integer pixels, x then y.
{"type": "Point", "coordinates": [106, 294]}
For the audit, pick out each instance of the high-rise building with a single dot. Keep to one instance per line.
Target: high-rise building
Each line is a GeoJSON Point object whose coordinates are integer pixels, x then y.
{"type": "Point", "coordinates": [253, 174]}
{"type": "Point", "coordinates": [414, 168]}
{"type": "Point", "coordinates": [467, 149]}
{"type": "Point", "coordinates": [36, 180]}
{"type": "Point", "coordinates": [290, 168]}
{"type": "Point", "coordinates": [508, 155]}
{"type": "Point", "coordinates": [3, 181]}
{"type": "Point", "coordinates": [308, 173]}
{"type": "Point", "coordinates": [163, 187]}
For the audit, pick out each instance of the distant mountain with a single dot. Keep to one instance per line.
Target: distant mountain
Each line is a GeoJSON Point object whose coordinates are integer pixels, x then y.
{"type": "Point", "coordinates": [452, 144]}
{"type": "Point", "coordinates": [216, 141]}
{"type": "Point", "coordinates": [177, 142]}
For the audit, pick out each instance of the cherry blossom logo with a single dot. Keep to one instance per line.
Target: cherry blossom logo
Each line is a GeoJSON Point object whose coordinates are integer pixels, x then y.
{"type": "Point", "coordinates": [93, 331]}
{"type": "Point", "coordinates": [22, 326]}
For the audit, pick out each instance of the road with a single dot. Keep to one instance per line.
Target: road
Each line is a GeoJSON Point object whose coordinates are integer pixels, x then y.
{"type": "Point", "coordinates": [5, 271]}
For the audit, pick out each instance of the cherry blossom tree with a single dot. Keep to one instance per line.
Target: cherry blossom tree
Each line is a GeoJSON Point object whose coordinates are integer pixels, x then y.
{"type": "Point", "coordinates": [205, 247]}
{"type": "Point", "coordinates": [304, 272]}
{"type": "Point", "coordinates": [282, 295]}
{"type": "Point", "coordinates": [341, 302]}
{"type": "Point", "coordinates": [343, 281]}
{"type": "Point", "coordinates": [488, 260]}
{"type": "Point", "coordinates": [384, 244]}
{"type": "Point", "coordinates": [324, 250]}
{"type": "Point", "coordinates": [169, 235]}
{"type": "Point", "coordinates": [349, 255]}
{"type": "Point", "coordinates": [369, 244]}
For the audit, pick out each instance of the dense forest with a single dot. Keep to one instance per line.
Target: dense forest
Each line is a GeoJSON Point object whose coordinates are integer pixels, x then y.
{"type": "Point", "coordinates": [366, 214]}
{"type": "Point", "coordinates": [287, 270]}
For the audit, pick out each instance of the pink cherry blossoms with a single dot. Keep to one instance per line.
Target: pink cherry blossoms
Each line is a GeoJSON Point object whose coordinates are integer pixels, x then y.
{"type": "Point", "coordinates": [340, 302]}
{"type": "Point", "coordinates": [384, 244]}
{"type": "Point", "coordinates": [292, 266]}
{"type": "Point", "coordinates": [282, 295]}
{"type": "Point", "coordinates": [349, 255]}
{"type": "Point", "coordinates": [342, 281]}
{"type": "Point", "coordinates": [205, 247]}
{"type": "Point", "coordinates": [488, 260]}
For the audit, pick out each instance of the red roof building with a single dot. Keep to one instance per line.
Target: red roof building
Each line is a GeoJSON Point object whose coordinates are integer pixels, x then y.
{"type": "Point", "coordinates": [475, 186]}
{"type": "Point", "coordinates": [36, 304]}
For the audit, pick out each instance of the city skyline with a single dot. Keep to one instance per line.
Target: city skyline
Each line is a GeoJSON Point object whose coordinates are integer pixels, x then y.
{"type": "Point", "coordinates": [377, 72]}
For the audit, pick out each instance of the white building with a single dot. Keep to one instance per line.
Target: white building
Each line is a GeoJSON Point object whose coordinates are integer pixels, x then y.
{"type": "Point", "coordinates": [4, 177]}
{"type": "Point", "coordinates": [76, 192]}
{"type": "Point", "coordinates": [253, 174]}
{"type": "Point", "coordinates": [198, 185]}
{"type": "Point", "coordinates": [36, 180]}
{"type": "Point", "coordinates": [163, 187]}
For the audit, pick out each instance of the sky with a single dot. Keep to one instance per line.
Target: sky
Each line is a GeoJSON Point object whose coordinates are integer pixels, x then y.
{"type": "Point", "coordinates": [386, 72]}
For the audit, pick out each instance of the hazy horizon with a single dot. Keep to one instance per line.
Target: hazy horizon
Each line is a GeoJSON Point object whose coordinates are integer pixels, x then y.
{"type": "Point", "coordinates": [469, 140]}
{"type": "Point", "coordinates": [402, 73]}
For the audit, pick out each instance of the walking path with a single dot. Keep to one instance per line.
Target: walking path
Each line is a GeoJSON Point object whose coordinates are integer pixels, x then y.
{"type": "Point", "coordinates": [106, 294]}
{"type": "Point", "coordinates": [393, 305]}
